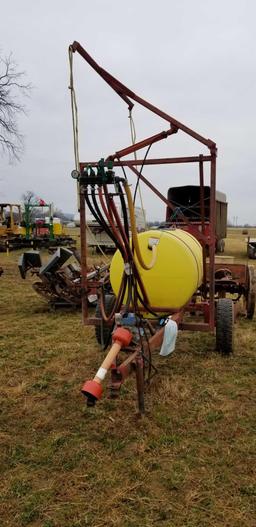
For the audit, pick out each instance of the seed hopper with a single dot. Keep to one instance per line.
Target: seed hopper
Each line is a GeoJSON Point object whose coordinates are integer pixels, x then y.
{"type": "Point", "coordinates": [158, 274]}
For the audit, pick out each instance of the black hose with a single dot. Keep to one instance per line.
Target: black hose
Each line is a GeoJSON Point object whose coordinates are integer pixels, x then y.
{"type": "Point", "coordinates": [124, 210]}
{"type": "Point", "coordinates": [100, 219]}
{"type": "Point", "coordinates": [103, 223]}
{"type": "Point", "coordinates": [114, 237]}
{"type": "Point", "coordinates": [90, 207]}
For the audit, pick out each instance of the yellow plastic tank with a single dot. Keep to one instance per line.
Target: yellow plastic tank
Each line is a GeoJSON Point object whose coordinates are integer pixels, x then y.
{"type": "Point", "coordinates": [178, 270]}
{"type": "Point", "coordinates": [57, 227]}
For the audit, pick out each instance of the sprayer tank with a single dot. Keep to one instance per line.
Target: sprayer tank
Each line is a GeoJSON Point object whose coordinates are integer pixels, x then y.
{"type": "Point", "coordinates": [177, 272]}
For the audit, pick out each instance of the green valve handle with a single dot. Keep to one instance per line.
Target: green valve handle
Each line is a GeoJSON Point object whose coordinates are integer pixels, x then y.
{"type": "Point", "coordinates": [90, 171]}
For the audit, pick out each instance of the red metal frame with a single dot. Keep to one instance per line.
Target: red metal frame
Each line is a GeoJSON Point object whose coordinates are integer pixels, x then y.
{"type": "Point", "coordinates": [206, 238]}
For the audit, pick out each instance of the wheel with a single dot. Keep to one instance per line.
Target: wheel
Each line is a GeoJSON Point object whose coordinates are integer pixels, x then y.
{"type": "Point", "coordinates": [103, 331]}
{"type": "Point", "coordinates": [251, 252]}
{"type": "Point", "coordinates": [225, 326]}
{"type": "Point", "coordinates": [250, 296]}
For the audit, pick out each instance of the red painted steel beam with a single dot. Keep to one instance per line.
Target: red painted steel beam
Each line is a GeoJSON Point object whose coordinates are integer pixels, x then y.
{"type": "Point", "coordinates": [146, 142]}
{"type": "Point", "coordinates": [126, 94]}
{"type": "Point", "coordinates": [212, 242]}
{"type": "Point", "coordinates": [113, 83]}
{"type": "Point", "coordinates": [163, 161]}
{"type": "Point", "coordinates": [84, 281]}
{"type": "Point", "coordinates": [152, 161]}
{"type": "Point", "coordinates": [202, 211]}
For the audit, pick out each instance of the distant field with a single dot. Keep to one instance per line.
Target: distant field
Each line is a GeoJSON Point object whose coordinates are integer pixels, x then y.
{"type": "Point", "coordinates": [189, 463]}
{"type": "Point", "coordinates": [236, 243]}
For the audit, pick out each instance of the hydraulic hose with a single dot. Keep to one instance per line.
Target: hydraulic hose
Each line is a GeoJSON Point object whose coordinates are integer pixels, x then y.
{"type": "Point", "coordinates": [124, 210]}
{"type": "Point", "coordinates": [116, 217]}
{"type": "Point", "coordinates": [96, 212]}
{"type": "Point", "coordinates": [122, 243]}
{"type": "Point", "coordinates": [105, 226]}
{"type": "Point", "coordinates": [127, 246]}
{"type": "Point", "coordinates": [118, 302]}
{"type": "Point", "coordinates": [134, 232]}
{"type": "Point", "coordinates": [99, 218]}
{"type": "Point", "coordinates": [118, 241]}
{"type": "Point", "coordinates": [102, 221]}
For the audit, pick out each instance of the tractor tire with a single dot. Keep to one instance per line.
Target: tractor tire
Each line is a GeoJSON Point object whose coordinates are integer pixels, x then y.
{"type": "Point", "coordinates": [251, 251]}
{"type": "Point", "coordinates": [251, 295]}
{"type": "Point", "coordinates": [225, 326]}
{"type": "Point", "coordinates": [103, 331]}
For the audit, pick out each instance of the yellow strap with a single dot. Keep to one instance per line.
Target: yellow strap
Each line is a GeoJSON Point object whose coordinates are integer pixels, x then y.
{"type": "Point", "coordinates": [135, 234]}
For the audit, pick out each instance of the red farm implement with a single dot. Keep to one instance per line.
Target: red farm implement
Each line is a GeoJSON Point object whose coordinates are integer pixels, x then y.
{"type": "Point", "coordinates": [146, 269]}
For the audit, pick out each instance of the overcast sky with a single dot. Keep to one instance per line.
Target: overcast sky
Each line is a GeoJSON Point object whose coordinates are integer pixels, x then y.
{"type": "Point", "coordinates": [195, 59]}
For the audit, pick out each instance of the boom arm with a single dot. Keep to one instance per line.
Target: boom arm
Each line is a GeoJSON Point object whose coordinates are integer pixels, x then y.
{"type": "Point", "coordinates": [126, 94]}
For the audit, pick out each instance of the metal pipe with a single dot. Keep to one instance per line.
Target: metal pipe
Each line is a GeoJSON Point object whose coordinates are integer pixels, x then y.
{"type": "Point", "coordinates": [95, 273]}
{"type": "Point", "coordinates": [83, 254]}
{"type": "Point", "coordinates": [146, 142]}
{"type": "Point", "coordinates": [202, 211]}
{"type": "Point", "coordinates": [152, 161]}
{"type": "Point", "coordinates": [212, 242]}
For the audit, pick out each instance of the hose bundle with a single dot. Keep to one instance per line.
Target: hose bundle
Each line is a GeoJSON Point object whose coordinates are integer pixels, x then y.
{"type": "Point", "coordinates": [103, 208]}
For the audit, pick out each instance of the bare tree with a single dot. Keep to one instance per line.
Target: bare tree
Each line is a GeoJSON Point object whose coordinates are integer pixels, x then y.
{"type": "Point", "coordinates": [12, 89]}
{"type": "Point", "coordinates": [29, 197]}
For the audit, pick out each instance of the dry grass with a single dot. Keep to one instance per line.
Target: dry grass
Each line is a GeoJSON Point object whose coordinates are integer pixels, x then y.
{"type": "Point", "coordinates": [188, 463]}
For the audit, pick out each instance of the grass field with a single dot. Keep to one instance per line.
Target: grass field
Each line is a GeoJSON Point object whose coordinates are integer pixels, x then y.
{"type": "Point", "coordinates": [188, 463]}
